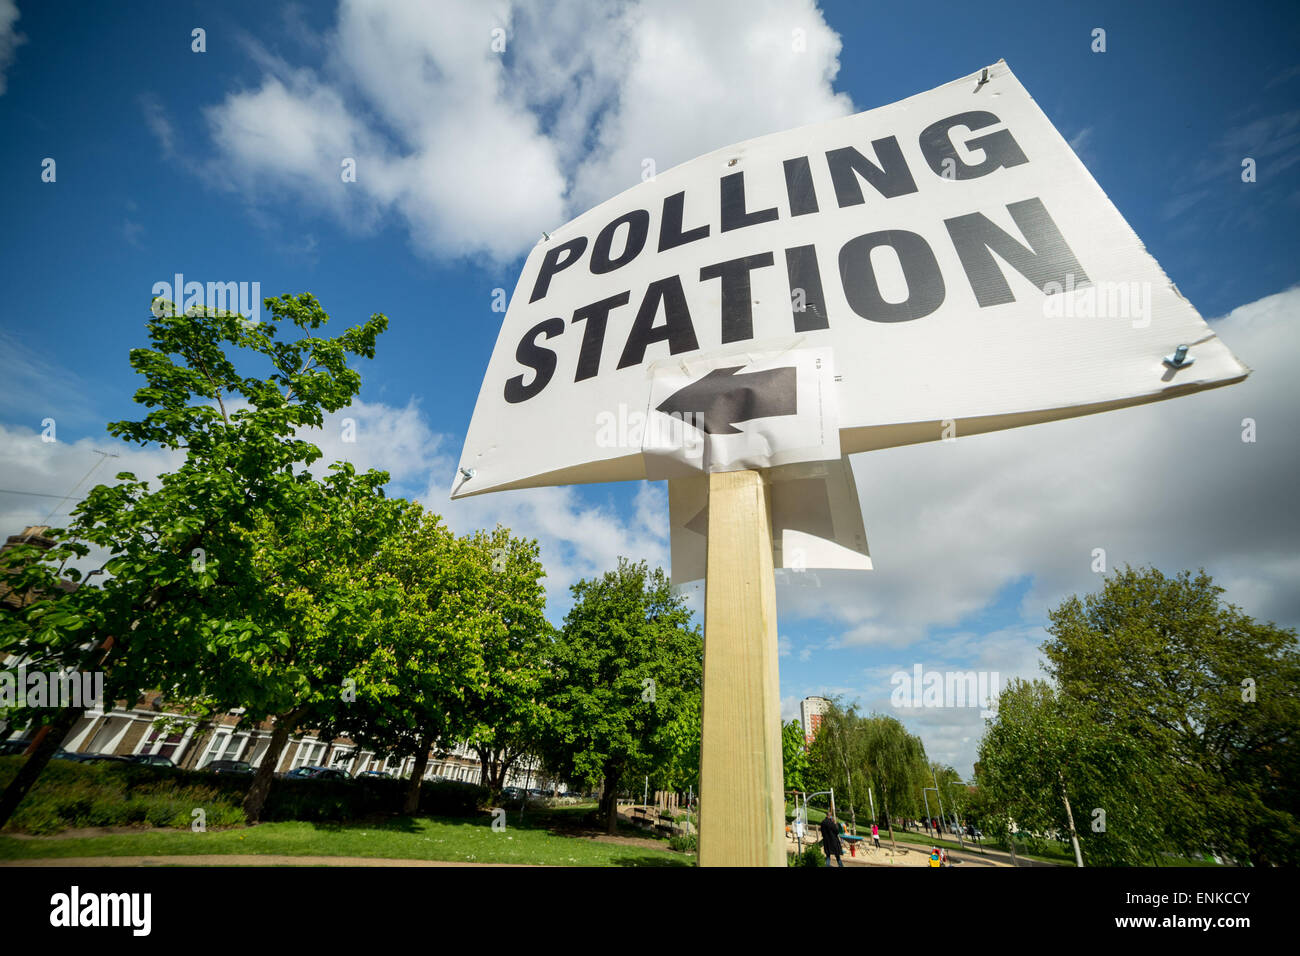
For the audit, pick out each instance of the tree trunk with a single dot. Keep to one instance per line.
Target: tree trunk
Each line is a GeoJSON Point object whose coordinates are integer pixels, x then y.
{"type": "Point", "coordinates": [1069, 815]}
{"type": "Point", "coordinates": [495, 766]}
{"type": "Point", "coordinates": [488, 769]}
{"type": "Point", "coordinates": [503, 769]}
{"type": "Point", "coordinates": [255, 799]}
{"type": "Point", "coordinates": [47, 741]}
{"type": "Point", "coordinates": [412, 804]}
{"type": "Point", "coordinates": [609, 802]}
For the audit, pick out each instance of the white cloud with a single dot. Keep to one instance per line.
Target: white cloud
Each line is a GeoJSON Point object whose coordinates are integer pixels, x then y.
{"type": "Point", "coordinates": [578, 538]}
{"type": "Point", "coordinates": [958, 530]}
{"type": "Point", "coordinates": [477, 151]}
{"type": "Point", "coordinates": [10, 38]}
{"type": "Point", "coordinates": [42, 481]}
{"type": "Point", "coordinates": [374, 435]}
{"type": "Point", "coordinates": [954, 525]}
{"type": "Point", "coordinates": [699, 76]}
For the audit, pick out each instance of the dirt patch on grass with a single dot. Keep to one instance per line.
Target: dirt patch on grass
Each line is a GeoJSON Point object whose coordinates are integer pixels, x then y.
{"type": "Point", "coordinates": [584, 830]}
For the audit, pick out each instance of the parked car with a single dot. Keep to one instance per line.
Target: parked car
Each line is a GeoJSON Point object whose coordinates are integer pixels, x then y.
{"type": "Point", "coordinates": [153, 760]}
{"type": "Point", "coordinates": [512, 793]}
{"type": "Point", "coordinates": [236, 767]}
{"type": "Point", "coordinates": [62, 754]}
{"type": "Point", "coordinates": [382, 773]}
{"type": "Point", "coordinates": [316, 773]}
{"type": "Point", "coordinates": [104, 758]}
{"type": "Point", "coordinates": [9, 748]}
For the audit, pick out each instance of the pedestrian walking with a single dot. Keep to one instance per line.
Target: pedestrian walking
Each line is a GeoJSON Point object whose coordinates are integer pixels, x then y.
{"type": "Point", "coordinates": [875, 835]}
{"type": "Point", "coordinates": [831, 839]}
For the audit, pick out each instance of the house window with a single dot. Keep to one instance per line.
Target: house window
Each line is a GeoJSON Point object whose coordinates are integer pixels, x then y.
{"type": "Point", "coordinates": [259, 751]}
{"type": "Point", "coordinates": [309, 754]}
{"type": "Point", "coordinates": [224, 746]}
{"type": "Point", "coordinates": [156, 743]}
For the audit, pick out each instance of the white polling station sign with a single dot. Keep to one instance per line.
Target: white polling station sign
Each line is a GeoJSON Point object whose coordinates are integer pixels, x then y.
{"type": "Point", "coordinates": [964, 268]}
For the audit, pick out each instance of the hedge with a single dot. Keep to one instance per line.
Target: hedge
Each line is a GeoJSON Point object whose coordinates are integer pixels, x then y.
{"type": "Point", "coordinates": [70, 794]}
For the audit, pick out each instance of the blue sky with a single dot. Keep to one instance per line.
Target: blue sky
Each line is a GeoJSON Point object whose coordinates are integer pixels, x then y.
{"type": "Point", "coordinates": [224, 166]}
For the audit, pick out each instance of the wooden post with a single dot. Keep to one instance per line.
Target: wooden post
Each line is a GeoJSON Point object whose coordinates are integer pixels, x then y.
{"type": "Point", "coordinates": [742, 807]}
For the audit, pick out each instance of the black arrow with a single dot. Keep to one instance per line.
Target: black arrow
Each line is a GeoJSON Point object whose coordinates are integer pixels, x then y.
{"type": "Point", "coordinates": [722, 398]}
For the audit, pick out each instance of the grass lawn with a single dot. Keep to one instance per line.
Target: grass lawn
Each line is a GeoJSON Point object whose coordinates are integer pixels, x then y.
{"type": "Point", "coordinates": [1168, 860]}
{"type": "Point", "coordinates": [402, 838]}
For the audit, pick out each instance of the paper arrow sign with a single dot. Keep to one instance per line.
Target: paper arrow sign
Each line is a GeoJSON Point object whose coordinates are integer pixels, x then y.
{"type": "Point", "coordinates": [716, 402]}
{"type": "Point", "coordinates": [784, 392]}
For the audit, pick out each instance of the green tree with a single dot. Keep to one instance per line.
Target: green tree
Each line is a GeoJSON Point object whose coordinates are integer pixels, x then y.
{"type": "Point", "coordinates": [626, 665]}
{"type": "Point", "coordinates": [868, 759]}
{"type": "Point", "coordinates": [186, 584]}
{"type": "Point", "coordinates": [836, 754]}
{"type": "Point", "coordinates": [423, 603]}
{"type": "Point", "coordinates": [678, 746]}
{"type": "Point", "coordinates": [308, 635]}
{"type": "Point", "coordinates": [894, 761]}
{"type": "Point", "coordinates": [794, 756]}
{"type": "Point", "coordinates": [1052, 769]}
{"type": "Point", "coordinates": [1211, 695]}
{"type": "Point", "coordinates": [504, 704]}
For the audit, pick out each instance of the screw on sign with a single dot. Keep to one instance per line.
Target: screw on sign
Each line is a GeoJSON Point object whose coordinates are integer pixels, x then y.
{"type": "Point", "coordinates": [781, 301]}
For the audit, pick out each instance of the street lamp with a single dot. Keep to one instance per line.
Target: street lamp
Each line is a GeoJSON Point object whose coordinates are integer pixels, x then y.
{"type": "Point", "coordinates": [928, 818]}
{"type": "Point", "coordinates": [956, 822]}
{"type": "Point", "coordinates": [937, 795]}
{"type": "Point", "coordinates": [978, 843]}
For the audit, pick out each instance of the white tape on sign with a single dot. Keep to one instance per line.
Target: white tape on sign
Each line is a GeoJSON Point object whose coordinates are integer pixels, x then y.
{"type": "Point", "coordinates": [816, 522]}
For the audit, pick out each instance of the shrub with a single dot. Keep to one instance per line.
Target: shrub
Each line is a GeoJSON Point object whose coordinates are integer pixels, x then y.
{"type": "Point", "coordinates": [684, 843]}
{"type": "Point", "coordinates": [115, 794]}
{"type": "Point", "coordinates": [811, 856]}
